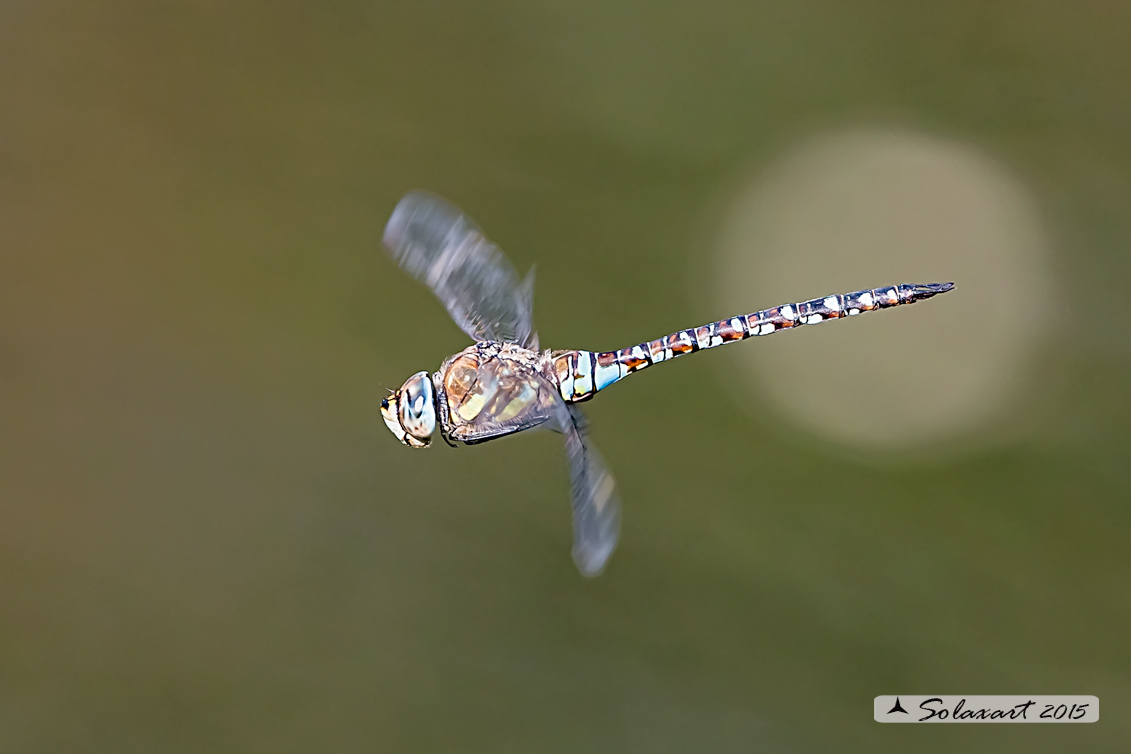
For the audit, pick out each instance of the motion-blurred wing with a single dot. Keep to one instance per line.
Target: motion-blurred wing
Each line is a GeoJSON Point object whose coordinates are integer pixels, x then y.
{"type": "Point", "coordinates": [596, 507]}
{"type": "Point", "coordinates": [439, 246]}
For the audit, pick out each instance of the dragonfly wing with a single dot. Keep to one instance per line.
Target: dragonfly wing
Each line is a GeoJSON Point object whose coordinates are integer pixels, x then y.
{"type": "Point", "coordinates": [439, 246]}
{"type": "Point", "coordinates": [596, 506]}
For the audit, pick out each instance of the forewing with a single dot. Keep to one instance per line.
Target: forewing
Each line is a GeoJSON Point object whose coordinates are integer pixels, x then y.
{"type": "Point", "coordinates": [439, 246]}
{"type": "Point", "coordinates": [596, 506]}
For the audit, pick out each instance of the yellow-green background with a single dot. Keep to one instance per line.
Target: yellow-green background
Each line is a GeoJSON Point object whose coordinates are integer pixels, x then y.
{"type": "Point", "coordinates": [210, 543]}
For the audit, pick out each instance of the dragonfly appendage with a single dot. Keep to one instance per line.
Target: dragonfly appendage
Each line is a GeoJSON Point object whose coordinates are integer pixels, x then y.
{"type": "Point", "coordinates": [581, 374]}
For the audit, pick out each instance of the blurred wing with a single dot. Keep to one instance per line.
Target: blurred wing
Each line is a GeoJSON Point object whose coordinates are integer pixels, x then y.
{"type": "Point", "coordinates": [596, 507]}
{"type": "Point", "coordinates": [439, 246]}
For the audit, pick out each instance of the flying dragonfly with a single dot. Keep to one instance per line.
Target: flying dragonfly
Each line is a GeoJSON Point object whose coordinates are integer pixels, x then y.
{"type": "Point", "coordinates": [504, 383]}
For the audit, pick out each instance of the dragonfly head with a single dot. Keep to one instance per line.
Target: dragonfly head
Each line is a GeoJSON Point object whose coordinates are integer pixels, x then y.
{"type": "Point", "coordinates": [410, 412]}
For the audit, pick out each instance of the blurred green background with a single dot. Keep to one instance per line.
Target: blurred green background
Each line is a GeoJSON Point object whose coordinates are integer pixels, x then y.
{"type": "Point", "coordinates": [209, 542]}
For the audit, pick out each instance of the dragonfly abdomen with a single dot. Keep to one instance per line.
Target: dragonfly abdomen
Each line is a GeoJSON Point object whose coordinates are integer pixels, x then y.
{"type": "Point", "coordinates": [581, 374]}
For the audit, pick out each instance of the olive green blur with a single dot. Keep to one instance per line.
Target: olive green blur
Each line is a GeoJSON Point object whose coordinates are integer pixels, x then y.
{"type": "Point", "coordinates": [210, 542]}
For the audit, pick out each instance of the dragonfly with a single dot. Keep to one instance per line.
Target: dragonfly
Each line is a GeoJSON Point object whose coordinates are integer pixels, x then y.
{"type": "Point", "coordinates": [504, 383]}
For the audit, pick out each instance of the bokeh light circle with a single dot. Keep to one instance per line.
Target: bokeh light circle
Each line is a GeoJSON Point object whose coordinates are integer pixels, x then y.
{"type": "Point", "coordinates": [870, 208]}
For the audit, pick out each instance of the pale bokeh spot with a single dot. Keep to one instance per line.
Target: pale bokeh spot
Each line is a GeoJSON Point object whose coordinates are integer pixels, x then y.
{"type": "Point", "coordinates": [869, 209]}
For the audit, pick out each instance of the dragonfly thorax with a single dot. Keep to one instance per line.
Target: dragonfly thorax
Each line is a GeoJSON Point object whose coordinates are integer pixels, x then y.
{"type": "Point", "coordinates": [410, 412]}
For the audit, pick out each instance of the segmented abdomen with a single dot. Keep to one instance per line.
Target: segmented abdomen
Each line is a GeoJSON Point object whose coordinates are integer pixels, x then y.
{"type": "Point", "coordinates": [582, 373]}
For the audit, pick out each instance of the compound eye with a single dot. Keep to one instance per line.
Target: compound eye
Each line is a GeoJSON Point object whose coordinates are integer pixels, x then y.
{"type": "Point", "coordinates": [416, 411]}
